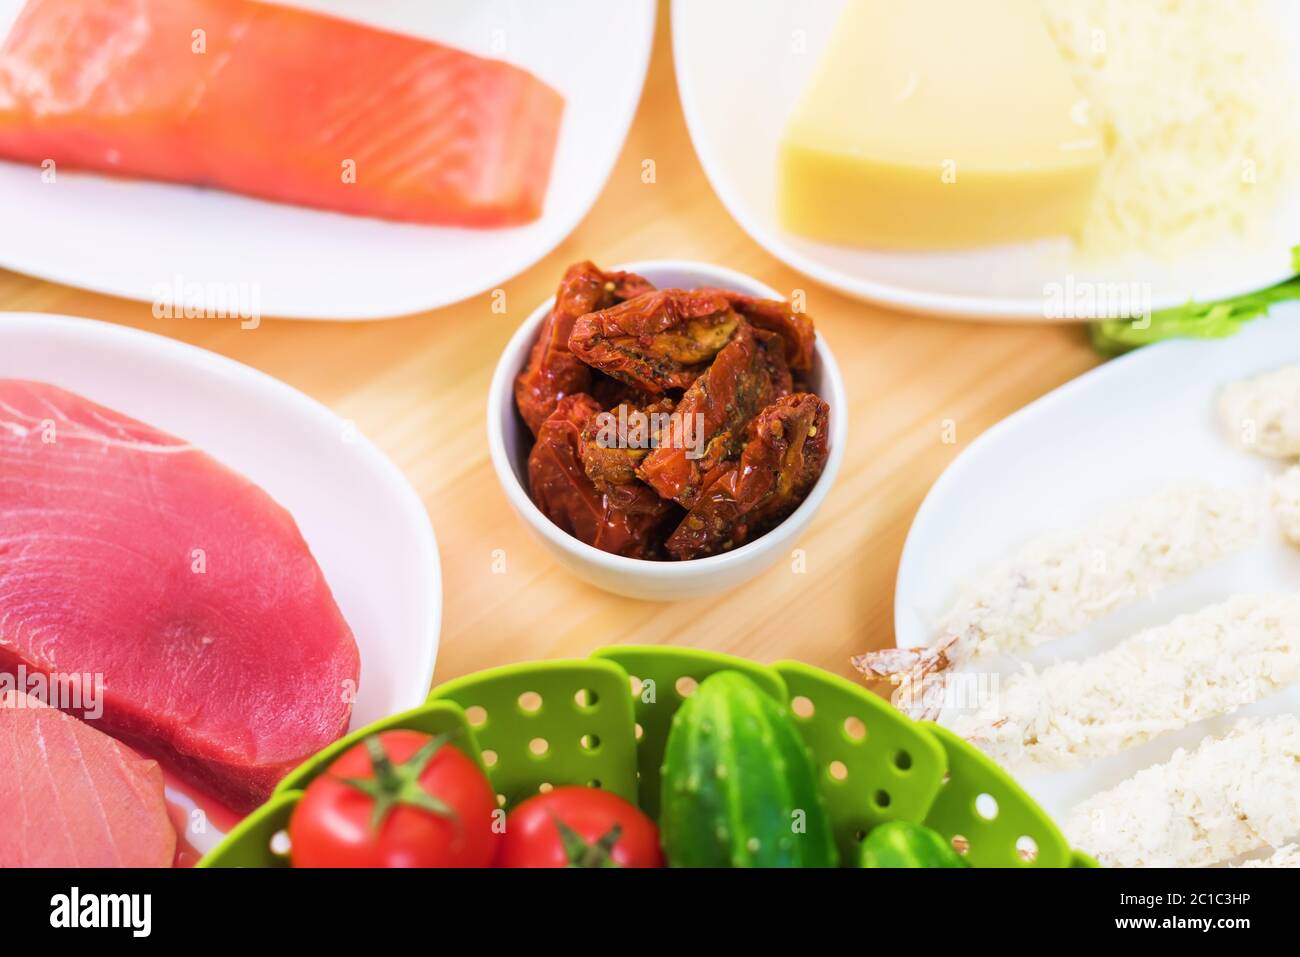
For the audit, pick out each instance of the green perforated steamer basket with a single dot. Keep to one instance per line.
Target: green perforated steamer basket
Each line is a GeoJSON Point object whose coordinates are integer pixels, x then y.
{"type": "Point", "coordinates": [603, 722]}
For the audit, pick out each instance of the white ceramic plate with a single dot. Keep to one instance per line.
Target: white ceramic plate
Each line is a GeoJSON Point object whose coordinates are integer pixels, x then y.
{"type": "Point", "coordinates": [131, 238]}
{"type": "Point", "coordinates": [741, 67]}
{"type": "Point", "coordinates": [364, 523]}
{"type": "Point", "coordinates": [1126, 428]}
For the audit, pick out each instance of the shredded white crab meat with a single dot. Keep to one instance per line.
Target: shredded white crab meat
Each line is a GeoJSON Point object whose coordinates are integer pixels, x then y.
{"type": "Point", "coordinates": [1262, 414]}
{"type": "Point", "coordinates": [1284, 496]}
{"type": "Point", "coordinates": [1230, 796]}
{"type": "Point", "coordinates": [1288, 856]}
{"type": "Point", "coordinates": [1199, 665]}
{"type": "Point", "coordinates": [1060, 583]}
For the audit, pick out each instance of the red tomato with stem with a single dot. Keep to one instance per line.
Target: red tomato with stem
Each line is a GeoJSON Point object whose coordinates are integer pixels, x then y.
{"type": "Point", "coordinates": [397, 799]}
{"type": "Point", "coordinates": [579, 827]}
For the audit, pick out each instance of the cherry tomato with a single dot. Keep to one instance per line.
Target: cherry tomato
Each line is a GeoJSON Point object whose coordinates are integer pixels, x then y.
{"type": "Point", "coordinates": [579, 827]}
{"type": "Point", "coordinates": [396, 799]}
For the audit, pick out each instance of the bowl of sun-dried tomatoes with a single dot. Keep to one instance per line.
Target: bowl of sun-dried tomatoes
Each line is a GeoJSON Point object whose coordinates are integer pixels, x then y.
{"type": "Point", "coordinates": [667, 429]}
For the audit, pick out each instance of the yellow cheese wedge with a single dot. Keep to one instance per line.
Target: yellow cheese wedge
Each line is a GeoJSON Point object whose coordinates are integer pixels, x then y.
{"type": "Point", "coordinates": [933, 124]}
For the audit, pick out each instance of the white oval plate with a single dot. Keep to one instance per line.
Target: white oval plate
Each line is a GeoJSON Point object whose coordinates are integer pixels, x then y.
{"type": "Point", "coordinates": [135, 238]}
{"type": "Point", "coordinates": [740, 75]}
{"type": "Point", "coordinates": [1127, 427]}
{"type": "Point", "coordinates": [363, 521]}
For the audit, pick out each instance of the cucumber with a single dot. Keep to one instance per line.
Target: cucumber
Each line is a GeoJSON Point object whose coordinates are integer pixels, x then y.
{"type": "Point", "coordinates": [904, 844]}
{"type": "Point", "coordinates": [738, 785]}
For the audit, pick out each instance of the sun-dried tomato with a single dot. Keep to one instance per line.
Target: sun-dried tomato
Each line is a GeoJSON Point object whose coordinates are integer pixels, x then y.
{"type": "Point", "coordinates": [626, 520]}
{"type": "Point", "coordinates": [748, 374]}
{"type": "Point", "coordinates": [794, 328]}
{"type": "Point", "coordinates": [615, 441]}
{"type": "Point", "coordinates": [784, 456]}
{"type": "Point", "coordinates": [553, 371]}
{"type": "Point", "coordinates": [658, 341]}
{"type": "Point", "coordinates": [735, 434]}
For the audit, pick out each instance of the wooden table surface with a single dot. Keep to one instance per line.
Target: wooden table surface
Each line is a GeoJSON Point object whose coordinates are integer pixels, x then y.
{"type": "Point", "coordinates": [417, 387]}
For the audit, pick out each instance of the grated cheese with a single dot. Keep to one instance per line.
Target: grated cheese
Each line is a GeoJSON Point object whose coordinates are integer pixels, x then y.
{"type": "Point", "coordinates": [1161, 679]}
{"type": "Point", "coordinates": [1193, 98]}
{"type": "Point", "coordinates": [1230, 796]}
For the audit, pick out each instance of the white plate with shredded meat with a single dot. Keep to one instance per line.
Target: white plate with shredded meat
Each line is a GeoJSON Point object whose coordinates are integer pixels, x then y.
{"type": "Point", "coordinates": [1109, 576]}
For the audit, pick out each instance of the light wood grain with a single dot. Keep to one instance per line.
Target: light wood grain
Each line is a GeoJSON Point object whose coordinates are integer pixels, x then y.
{"type": "Point", "coordinates": [418, 388]}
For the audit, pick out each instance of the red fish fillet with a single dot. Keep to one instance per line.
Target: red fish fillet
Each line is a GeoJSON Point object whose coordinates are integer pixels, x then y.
{"type": "Point", "coordinates": [129, 554]}
{"type": "Point", "coordinates": [71, 796]}
{"type": "Point", "coordinates": [278, 103]}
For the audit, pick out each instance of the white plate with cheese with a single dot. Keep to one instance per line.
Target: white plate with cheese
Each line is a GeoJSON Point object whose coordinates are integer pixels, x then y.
{"type": "Point", "coordinates": [743, 67]}
{"type": "Point", "coordinates": [1114, 439]}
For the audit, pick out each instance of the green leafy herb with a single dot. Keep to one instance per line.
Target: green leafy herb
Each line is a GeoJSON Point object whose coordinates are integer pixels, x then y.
{"type": "Point", "coordinates": [583, 853]}
{"type": "Point", "coordinates": [1196, 320]}
{"type": "Point", "coordinates": [397, 784]}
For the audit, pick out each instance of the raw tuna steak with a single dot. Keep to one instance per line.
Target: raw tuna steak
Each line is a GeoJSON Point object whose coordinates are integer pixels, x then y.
{"type": "Point", "coordinates": [73, 797]}
{"type": "Point", "coordinates": [280, 103]}
{"type": "Point", "coordinates": [127, 553]}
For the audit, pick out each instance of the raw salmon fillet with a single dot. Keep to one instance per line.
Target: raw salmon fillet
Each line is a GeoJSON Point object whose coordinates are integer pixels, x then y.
{"type": "Point", "coordinates": [129, 554]}
{"type": "Point", "coordinates": [278, 103]}
{"type": "Point", "coordinates": [71, 796]}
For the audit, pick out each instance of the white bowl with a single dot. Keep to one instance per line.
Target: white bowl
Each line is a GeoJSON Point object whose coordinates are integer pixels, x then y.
{"type": "Point", "coordinates": [510, 442]}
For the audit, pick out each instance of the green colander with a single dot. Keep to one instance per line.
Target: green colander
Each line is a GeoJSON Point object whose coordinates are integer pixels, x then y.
{"type": "Point", "coordinates": [988, 816]}
{"type": "Point", "coordinates": [252, 842]}
{"type": "Point", "coordinates": [874, 763]}
{"type": "Point", "coordinates": [661, 679]}
{"type": "Point", "coordinates": [603, 722]}
{"type": "Point", "coordinates": [549, 724]}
